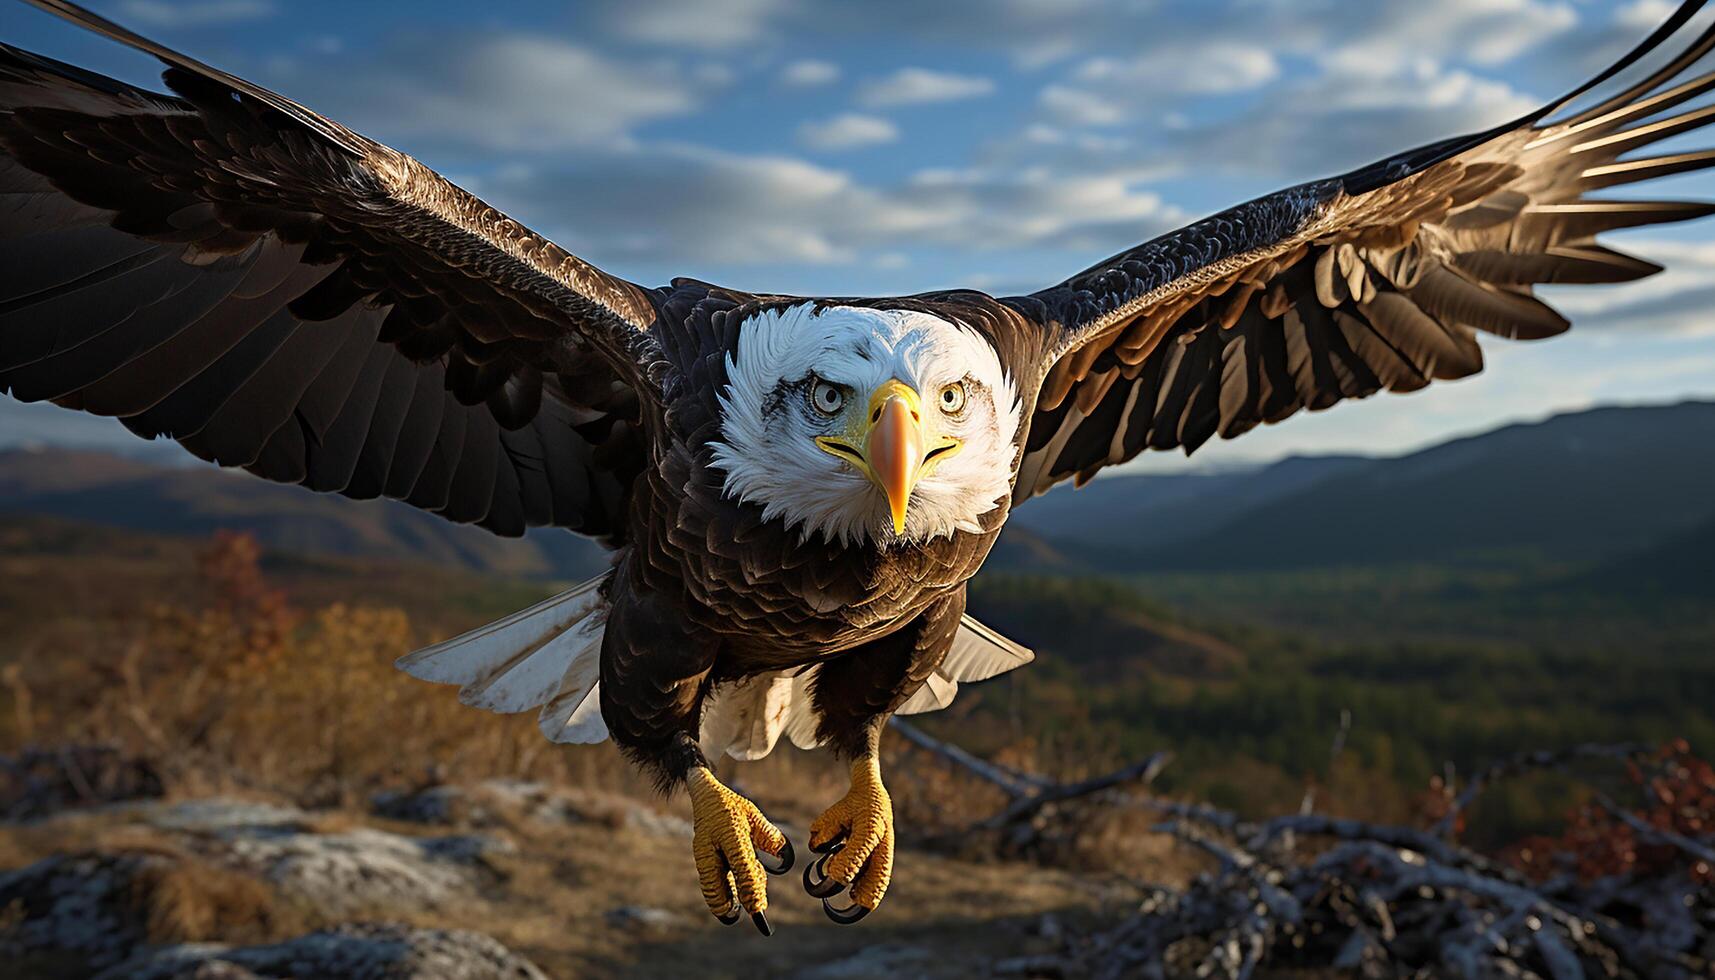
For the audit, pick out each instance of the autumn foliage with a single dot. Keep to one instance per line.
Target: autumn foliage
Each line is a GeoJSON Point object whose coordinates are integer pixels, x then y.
{"type": "Point", "coordinates": [1678, 793]}
{"type": "Point", "coordinates": [230, 686]}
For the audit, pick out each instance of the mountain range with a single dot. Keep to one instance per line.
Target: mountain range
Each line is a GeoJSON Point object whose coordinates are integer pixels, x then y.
{"type": "Point", "coordinates": [1608, 485]}
{"type": "Point", "coordinates": [126, 492]}
{"type": "Point", "coordinates": [1622, 493]}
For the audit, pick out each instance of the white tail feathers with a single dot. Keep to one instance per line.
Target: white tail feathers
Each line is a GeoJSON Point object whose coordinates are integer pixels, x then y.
{"type": "Point", "coordinates": [978, 653]}
{"type": "Point", "coordinates": [548, 655]}
{"type": "Point", "coordinates": [746, 719]}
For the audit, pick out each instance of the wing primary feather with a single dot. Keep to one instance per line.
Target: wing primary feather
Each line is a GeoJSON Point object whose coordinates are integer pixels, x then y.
{"type": "Point", "coordinates": [335, 133]}
{"type": "Point", "coordinates": [1649, 168]}
{"type": "Point", "coordinates": [237, 435]}
{"type": "Point", "coordinates": [417, 438]}
{"type": "Point", "coordinates": [333, 458]}
{"type": "Point", "coordinates": [392, 409]}
{"type": "Point", "coordinates": [434, 486]}
{"type": "Point", "coordinates": [1580, 264]}
{"type": "Point", "coordinates": [1700, 46]}
{"type": "Point", "coordinates": [1669, 27]}
{"type": "Point", "coordinates": [472, 491]}
{"type": "Point", "coordinates": [1648, 133]}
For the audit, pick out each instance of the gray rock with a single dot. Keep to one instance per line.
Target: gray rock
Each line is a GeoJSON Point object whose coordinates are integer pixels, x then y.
{"type": "Point", "coordinates": [435, 805]}
{"type": "Point", "coordinates": [348, 952]}
{"type": "Point", "coordinates": [364, 870]}
{"type": "Point", "coordinates": [185, 961]}
{"type": "Point", "coordinates": [659, 824]}
{"type": "Point", "coordinates": [872, 961]}
{"type": "Point", "coordinates": [485, 803]}
{"type": "Point", "coordinates": [641, 917]}
{"type": "Point", "coordinates": [77, 906]}
{"type": "Point", "coordinates": [218, 813]}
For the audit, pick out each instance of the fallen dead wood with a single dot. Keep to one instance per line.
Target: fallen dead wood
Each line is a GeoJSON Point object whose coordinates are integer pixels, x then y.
{"type": "Point", "coordinates": [1028, 795]}
{"type": "Point", "coordinates": [1376, 906]}
{"type": "Point", "coordinates": [1374, 900]}
{"type": "Point", "coordinates": [1530, 762]}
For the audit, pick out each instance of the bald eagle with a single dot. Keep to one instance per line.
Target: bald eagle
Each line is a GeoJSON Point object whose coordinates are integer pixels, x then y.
{"type": "Point", "coordinates": [796, 490]}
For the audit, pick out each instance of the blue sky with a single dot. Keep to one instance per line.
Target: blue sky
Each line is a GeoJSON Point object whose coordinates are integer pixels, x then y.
{"type": "Point", "coordinates": [892, 146]}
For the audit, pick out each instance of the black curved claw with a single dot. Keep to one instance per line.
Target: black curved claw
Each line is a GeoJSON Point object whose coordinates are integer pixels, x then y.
{"type": "Point", "coordinates": [762, 925]}
{"type": "Point", "coordinates": [832, 844]}
{"type": "Point", "coordinates": [731, 918]}
{"type": "Point", "coordinates": [782, 862]}
{"type": "Point", "coordinates": [816, 880]}
{"type": "Point", "coordinates": [845, 916]}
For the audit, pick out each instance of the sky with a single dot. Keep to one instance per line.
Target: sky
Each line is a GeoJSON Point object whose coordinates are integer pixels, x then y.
{"type": "Point", "coordinates": [894, 146]}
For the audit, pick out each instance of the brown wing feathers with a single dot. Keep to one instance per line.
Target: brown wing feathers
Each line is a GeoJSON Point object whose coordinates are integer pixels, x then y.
{"type": "Point", "coordinates": [231, 270]}
{"type": "Point", "coordinates": [1342, 288]}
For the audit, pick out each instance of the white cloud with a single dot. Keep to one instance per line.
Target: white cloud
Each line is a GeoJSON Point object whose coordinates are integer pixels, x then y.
{"type": "Point", "coordinates": [911, 86]}
{"type": "Point", "coordinates": [847, 131]}
{"type": "Point", "coordinates": [700, 24]}
{"type": "Point", "coordinates": [806, 73]}
{"type": "Point", "coordinates": [1417, 86]}
{"type": "Point", "coordinates": [1343, 116]}
{"type": "Point", "coordinates": [1217, 66]}
{"type": "Point", "coordinates": [891, 260]}
{"type": "Point", "coordinates": [160, 13]}
{"type": "Point", "coordinates": [1675, 302]}
{"type": "Point", "coordinates": [1642, 16]}
{"type": "Point", "coordinates": [1034, 32]}
{"type": "Point", "coordinates": [509, 92]}
{"type": "Point", "coordinates": [705, 208]}
{"type": "Point", "coordinates": [1079, 107]}
{"type": "Point", "coordinates": [1485, 32]}
{"type": "Point", "coordinates": [1379, 70]}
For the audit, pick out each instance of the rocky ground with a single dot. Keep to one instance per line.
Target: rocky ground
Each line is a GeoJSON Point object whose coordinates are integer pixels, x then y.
{"type": "Point", "coordinates": [498, 879]}
{"type": "Point", "coordinates": [104, 873]}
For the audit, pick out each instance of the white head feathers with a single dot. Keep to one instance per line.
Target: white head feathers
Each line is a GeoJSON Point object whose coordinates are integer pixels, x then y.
{"type": "Point", "coordinates": [769, 427]}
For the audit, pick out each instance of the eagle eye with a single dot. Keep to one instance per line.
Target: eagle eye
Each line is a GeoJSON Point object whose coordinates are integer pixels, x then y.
{"type": "Point", "coordinates": [827, 397]}
{"type": "Point", "coordinates": [953, 398]}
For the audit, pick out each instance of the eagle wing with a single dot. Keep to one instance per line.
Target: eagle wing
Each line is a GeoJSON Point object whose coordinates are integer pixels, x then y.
{"type": "Point", "coordinates": [1374, 280]}
{"type": "Point", "coordinates": [229, 269]}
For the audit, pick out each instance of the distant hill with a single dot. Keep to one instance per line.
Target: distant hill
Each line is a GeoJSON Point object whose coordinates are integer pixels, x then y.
{"type": "Point", "coordinates": [1606, 486]}
{"type": "Point", "coordinates": [1135, 512]}
{"type": "Point", "coordinates": [123, 492]}
{"type": "Point", "coordinates": [1587, 487]}
{"type": "Point", "coordinates": [1683, 565]}
{"type": "Point", "coordinates": [1108, 632]}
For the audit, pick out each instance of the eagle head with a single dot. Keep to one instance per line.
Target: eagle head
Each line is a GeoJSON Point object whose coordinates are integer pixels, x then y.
{"type": "Point", "coordinates": [865, 425]}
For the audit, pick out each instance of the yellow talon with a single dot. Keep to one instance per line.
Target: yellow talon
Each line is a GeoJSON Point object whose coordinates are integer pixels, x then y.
{"type": "Point", "coordinates": [865, 818]}
{"type": "Point", "coordinates": [728, 830]}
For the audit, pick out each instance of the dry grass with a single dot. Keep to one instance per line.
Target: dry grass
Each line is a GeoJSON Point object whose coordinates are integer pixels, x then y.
{"type": "Point", "coordinates": [228, 686]}
{"type": "Point", "coordinates": [192, 900]}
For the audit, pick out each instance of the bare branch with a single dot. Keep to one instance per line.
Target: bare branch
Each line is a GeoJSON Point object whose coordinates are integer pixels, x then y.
{"type": "Point", "coordinates": [1529, 762]}
{"type": "Point", "coordinates": [1014, 784]}
{"type": "Point", "coordinates": [1022, 808]}
{"type": "Point", "coordinates": [1659, 835]}
{"type": "Point", "coordinates": [1029, 793]}
{"type": "Point", "coordinates": [1308, 804]}
{"type": "Point", "coordinates": [1400, 837]}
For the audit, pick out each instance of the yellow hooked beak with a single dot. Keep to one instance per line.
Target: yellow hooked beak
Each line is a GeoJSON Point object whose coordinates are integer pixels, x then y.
{"type": "Point", "coordinates": [897, 448]}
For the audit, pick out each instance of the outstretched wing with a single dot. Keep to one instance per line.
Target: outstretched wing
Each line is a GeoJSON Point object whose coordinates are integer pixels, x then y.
{"type": "Point", "coordinates": [1377, 279]}
{"type": "Point", "coordinates": [226, 268]}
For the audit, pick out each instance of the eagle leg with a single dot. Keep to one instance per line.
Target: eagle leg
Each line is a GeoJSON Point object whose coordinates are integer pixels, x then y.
{"type": "Point", "coordinates": [730, 836]}
{"type": "Point", "coordinates": [654, 677]}
{"type": "Point", "coordinates": [855, 838]}
{"type": "Point", "coordinates": [854, 695]}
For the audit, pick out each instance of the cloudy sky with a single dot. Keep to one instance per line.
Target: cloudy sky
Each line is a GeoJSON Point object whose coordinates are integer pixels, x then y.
{"type": "Point", "coordinates": [894, 146]}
